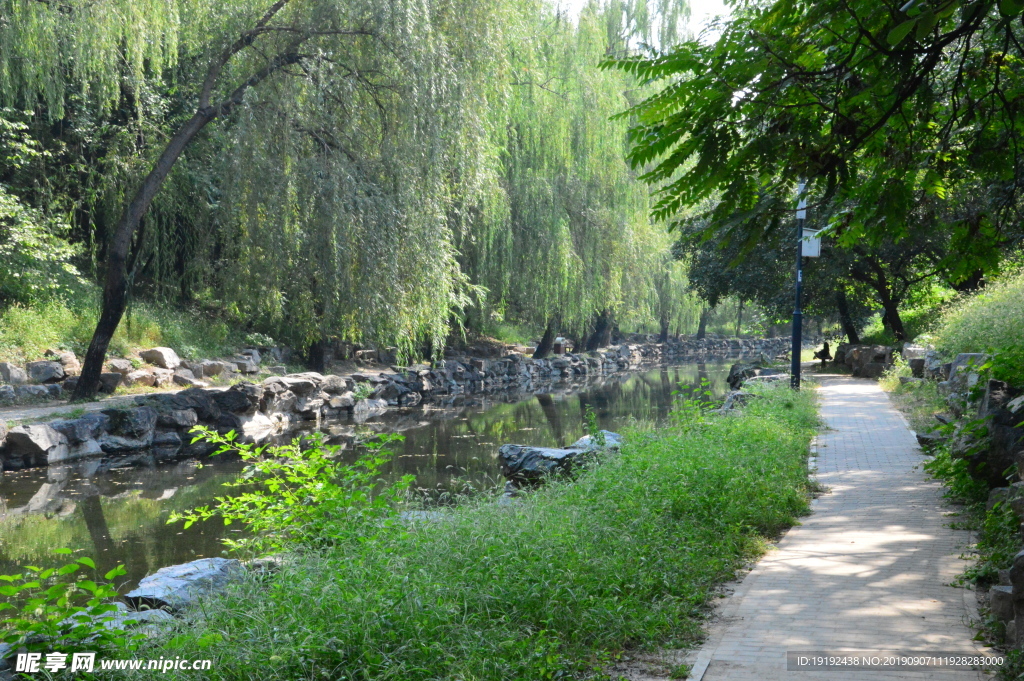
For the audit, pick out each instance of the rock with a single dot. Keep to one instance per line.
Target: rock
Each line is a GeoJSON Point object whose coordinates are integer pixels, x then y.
{"type": "Point", "coordinates": [214, 368]}
{"type": "Point", "coordinates": [917, 367]}
{"type": "Point", "coordinates": [337, 384]}
{"type": "Point", "coordinates": [309, 406]}
{"type": "Point", "coordinates": [246, 365]}
{"type": "Point", "coordinates": [202, 401]}
{"type": "Point", "coordinates": [118, 443]}
{"type": "Point", "coordinates": [54, 391]}
{"type": "Point", "coordinates": [871, 370]}
{"type": "Point", "coordinates": [45, 371]}
{"type": "Point", "coordinates": [7, 393]}
{"type": "Point", "coordinates": [253, 354]}
{"type": "Point", "coordinates": [82, 429]}
{"type": "Point", "coordinates": [70, 363]}
{"type": "Point", "coordinates": [275, 401]}
{"type": "Point", "coordinates": [178, 418]}
{"type": "Point", "coordinates": [524, 464]}
{"type": "Point", "coordinates": [343, 401]}
{"type": "Point", "coordinates": [187, 381]}
{"type": "Point", "coordinates": [612, 442]}
{"type": "Point", "coordinates": [366, 407]}
{"type": "Point", "coordinates": [410, 399]}
{"type": "Point", "coordinates": [38, 392]}
{"type": "Point", "coordinates": [37, 445]}
{"type": "Point", "coordinates": [165, 358]}
{"type": "Point", "coordinates": [908, 380]}
{"type": "Point", "coordinates": [136, 422]}
{"type": "Point", "coordinates": [162, 377]}
{"type": "Point", "coordinates": [139, 377]}
{"type": "Point", "coordinates": [179, 586]}
{"type": "Point", "coordinates": [232, 400]}
{"type": "Point", "coordinates": [166, 439]}
{"type": "Point", "coordinates": [254, 427]}
{"type": "Point", "coordinates": [1001, 602]}
{"type": "Point", "coordinates": [121, 366]}
{"type": "Point", "coordinates": [1011, 634]}
{"type": "Point", "coordinates": [13, 374]}
{"type": "Point", "coordinates": [299, 386]}
{"type": "Point", "coordinates": [278, 370]}
{"type": "Point", "coordinates": [109, 382]}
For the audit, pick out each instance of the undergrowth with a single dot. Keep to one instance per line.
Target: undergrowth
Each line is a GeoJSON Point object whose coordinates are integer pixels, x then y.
{"type": "Point", "coordinates": [554, 585]}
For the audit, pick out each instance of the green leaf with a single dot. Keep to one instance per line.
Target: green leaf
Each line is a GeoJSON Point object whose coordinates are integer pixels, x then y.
{"type": "Point", "coordinates": [1011, 8]}
{"type": "Point", "coordinates": [901, 31]}
{"type": "Point", "coordinates": [926, 22]}
{"type": "Point", "coordinates": [87, 562]}
{"type": "Point", "coordinates": [63, 552]}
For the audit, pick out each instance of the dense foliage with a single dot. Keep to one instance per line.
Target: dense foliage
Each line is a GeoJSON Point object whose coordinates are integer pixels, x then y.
{"type": "Point", "coordinates": [397, 172]}
{"type": "Point", "coordinates": [903, 117]}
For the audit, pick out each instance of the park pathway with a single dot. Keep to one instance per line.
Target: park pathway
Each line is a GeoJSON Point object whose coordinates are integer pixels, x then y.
{"type": "Point", "coordinates": [868, 570]}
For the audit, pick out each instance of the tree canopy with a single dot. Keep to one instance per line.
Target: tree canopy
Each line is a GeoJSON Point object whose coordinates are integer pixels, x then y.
{"type": "Point", "coordinates": [900, 114]}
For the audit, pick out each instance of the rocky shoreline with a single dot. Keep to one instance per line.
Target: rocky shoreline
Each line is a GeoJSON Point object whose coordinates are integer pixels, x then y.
{"type": "Point", "coordinates": [159, 423]}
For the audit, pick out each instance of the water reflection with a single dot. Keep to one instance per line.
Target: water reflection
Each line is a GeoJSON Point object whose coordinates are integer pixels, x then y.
{"type": "Point", "coordinates": [117, 513]}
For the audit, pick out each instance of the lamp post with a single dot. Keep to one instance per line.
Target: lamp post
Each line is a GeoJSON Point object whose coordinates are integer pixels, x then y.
{"type": "Point", "coordinates": [801, 215]}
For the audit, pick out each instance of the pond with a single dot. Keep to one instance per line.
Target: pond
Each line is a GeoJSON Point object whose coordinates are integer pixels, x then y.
{"type": "Point", "coordinates": [119, 516]}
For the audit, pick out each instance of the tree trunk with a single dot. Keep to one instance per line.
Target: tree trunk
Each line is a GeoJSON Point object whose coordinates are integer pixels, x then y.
{"type": "Point", "coordinates": [663, 337]}
{"type": "Point", "coordinates": [892, 315]}
{"type": "Point", "coordinates": [115, 289]}
{"type": "Point", "coordinates": [317, 356]}
{"type": "Point", "coordinates": [844, 318]}
{"type": "Point", "coordinates": [739, 319]}
{"type": "Point", "coordinates": [547, 341]}
{"type": "Point", "coordinates": [602, 331]}
{"type": "Point", "coordinates": [702, 327]}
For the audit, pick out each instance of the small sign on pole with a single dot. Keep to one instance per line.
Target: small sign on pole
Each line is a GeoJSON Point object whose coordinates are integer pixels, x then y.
{"type": "Point", "coordinates": [811, 243]}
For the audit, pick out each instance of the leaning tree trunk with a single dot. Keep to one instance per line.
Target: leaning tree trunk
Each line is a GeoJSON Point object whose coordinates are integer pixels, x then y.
{"type": "Point", "coordinates": [547, 341]}
{"type": "Point", "coordinates": [892, 315]}
{"type": "Point", "coordinates": [115, 288]}
{"type": "Point", "coordinates": [849, 328]}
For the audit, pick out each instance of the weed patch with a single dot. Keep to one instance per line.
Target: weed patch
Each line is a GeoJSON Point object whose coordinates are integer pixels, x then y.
{"type": "Point", "coordinates": [554, 585]}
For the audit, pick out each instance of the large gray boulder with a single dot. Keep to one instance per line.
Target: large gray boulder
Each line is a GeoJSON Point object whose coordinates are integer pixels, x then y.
{"type": "Point", "coordinates": [178, 586]}
{"type": "Point", "coordinates": [164, 358]}
{"type": "Point", "coordinates": [121, 366]}
{"type": "Point", "coordinates": [523, 464]}
{"type": "Point", "coordinates": [36, 445]}
{"type": "Point", "coordinates": [612, 442]}
{"type": "Point", "coordinates": [45, 371]}
{"type": "Point", "coordinates": [137, 422]}
{"type": "Point", "coordinates": [13, 374]}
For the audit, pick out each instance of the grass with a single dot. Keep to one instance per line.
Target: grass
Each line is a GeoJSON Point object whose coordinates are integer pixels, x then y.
{"type": "Point", "coordinates": [27, 332]}
{"type": "Point", "coordinates": [991, 321]}
{"type": "Point", "coordinates": [553, 587]}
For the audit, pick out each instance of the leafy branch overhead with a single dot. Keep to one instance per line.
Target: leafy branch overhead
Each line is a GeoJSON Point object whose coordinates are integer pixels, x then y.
{"type": "Point", "coordinates": [902, 116]}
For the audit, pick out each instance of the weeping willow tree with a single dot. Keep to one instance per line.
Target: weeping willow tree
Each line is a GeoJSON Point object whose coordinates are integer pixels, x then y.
{"type": "Point", "coordinates": [372, 171]}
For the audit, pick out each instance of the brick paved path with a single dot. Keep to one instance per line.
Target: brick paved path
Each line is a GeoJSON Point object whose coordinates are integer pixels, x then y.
{"type": "Point", "coordinates": [867, 570]}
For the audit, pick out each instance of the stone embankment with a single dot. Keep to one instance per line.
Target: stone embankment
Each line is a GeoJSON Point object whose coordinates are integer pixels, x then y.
{"type": "Point", "coordinates": [159, 423]}
{"type": "Point", "coordinates": [984, 426]}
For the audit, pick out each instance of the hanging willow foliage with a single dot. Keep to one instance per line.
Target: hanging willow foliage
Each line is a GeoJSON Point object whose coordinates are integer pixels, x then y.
{"type": "Point", "coordinates": [453, 163]}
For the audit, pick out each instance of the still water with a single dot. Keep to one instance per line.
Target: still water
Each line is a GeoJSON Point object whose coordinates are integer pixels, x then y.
{"type": "Point", "coordinates": [119, 516]}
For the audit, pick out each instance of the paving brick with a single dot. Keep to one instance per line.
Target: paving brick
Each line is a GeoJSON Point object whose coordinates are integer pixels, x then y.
{"type": "Point", "coordinates": [869, 569]}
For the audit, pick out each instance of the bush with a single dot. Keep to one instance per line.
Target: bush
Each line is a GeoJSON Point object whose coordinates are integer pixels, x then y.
{"type": "Point", "coordinates": [551, 586]}
{"type": "Point", "coordinates": [990, 321]}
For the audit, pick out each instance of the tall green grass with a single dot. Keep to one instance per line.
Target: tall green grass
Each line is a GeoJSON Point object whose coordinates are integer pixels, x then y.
{"type": "Point", "coordinates": [553, 586]}
{"type": "Point", "coordinates": [990, 321]}
{"type": "Point", "coordinates": [26, 332]}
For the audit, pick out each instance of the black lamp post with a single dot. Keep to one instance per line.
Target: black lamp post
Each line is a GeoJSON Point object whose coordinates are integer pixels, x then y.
{"type": "Point", "coordinates": [801, 215]}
